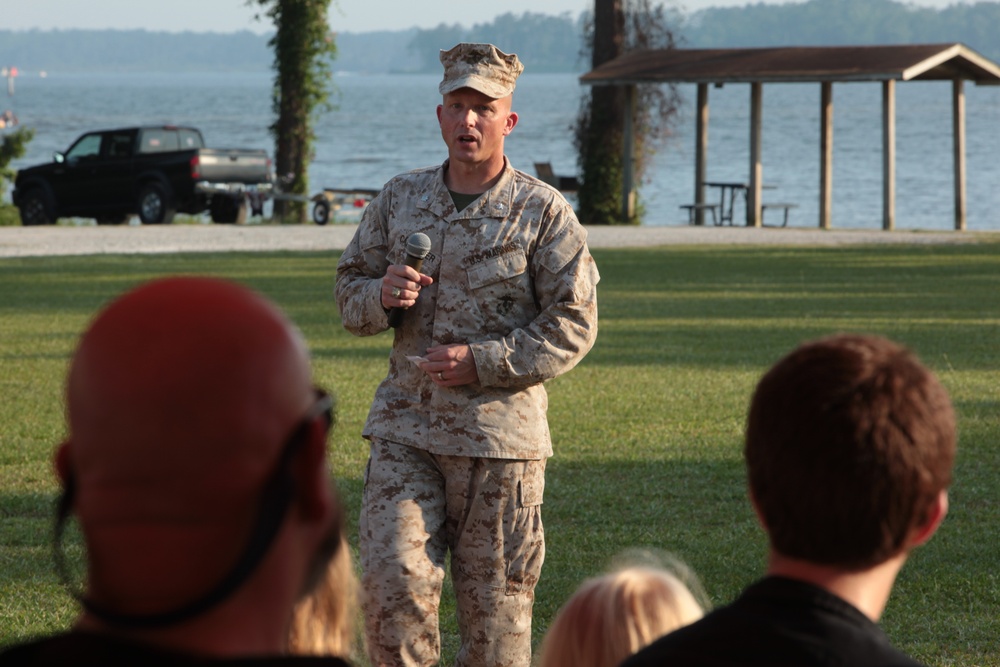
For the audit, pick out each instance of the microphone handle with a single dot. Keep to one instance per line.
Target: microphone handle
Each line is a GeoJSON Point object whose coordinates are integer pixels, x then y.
{"type": "Point", "coordinates": [396, 313]}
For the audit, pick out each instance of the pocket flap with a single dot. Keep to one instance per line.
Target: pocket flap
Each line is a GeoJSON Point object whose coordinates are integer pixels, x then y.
{"type": "Point", "coordinates": [496, 269]}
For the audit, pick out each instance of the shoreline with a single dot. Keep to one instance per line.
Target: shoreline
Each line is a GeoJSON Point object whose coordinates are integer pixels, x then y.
{"type": "Point", "coordinates": [150, 239]}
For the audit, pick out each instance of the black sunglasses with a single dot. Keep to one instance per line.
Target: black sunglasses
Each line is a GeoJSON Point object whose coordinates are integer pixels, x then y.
{"type": "Point", "coordinates": [274, 501]}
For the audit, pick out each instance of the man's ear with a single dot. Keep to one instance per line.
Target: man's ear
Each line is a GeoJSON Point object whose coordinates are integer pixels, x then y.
{"type": "Point", "coordinates": [61, 461]}
{"type": "Point", "coordinates": [935, 515]}
{"type": "Point", "coordinates": [511, 122]}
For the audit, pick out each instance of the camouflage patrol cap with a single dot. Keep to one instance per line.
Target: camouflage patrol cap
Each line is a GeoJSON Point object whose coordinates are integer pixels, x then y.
{"type": "Point", "coordinates": [482, 67]}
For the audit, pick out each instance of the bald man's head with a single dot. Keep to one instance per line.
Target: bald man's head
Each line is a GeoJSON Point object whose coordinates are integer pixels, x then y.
{"type": "Point", "coordinates": [187, 399]}
{"type": "Point", "coordinates": [182, 391]}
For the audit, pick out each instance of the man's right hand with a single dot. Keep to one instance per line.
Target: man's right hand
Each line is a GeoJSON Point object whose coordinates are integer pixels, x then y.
{"type": "Point", "coordinates": [401, 286]}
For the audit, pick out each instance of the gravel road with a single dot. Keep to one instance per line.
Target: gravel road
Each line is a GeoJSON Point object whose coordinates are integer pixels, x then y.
{"type": "Point", "coordinates": [151, 239]}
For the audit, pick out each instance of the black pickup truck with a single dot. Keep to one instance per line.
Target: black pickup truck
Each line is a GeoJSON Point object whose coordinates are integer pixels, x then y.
{"type": "Point", "coordinates": [152, 172]}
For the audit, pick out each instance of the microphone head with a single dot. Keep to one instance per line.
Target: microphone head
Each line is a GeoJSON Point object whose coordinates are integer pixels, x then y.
{"type": "Point", "coordinates": [418, 245]}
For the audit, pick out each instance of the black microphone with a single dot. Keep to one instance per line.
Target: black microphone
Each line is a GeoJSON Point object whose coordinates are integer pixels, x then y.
{"type": "Point", "coordinates": [417, 247]}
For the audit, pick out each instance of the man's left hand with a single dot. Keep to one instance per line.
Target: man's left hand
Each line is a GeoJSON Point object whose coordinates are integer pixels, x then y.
{"type": "Point", "coordinates": [451, 365]}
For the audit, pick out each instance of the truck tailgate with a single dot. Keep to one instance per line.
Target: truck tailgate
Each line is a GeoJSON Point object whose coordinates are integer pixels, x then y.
{"type": "Point", "coordinates": [220, 165]}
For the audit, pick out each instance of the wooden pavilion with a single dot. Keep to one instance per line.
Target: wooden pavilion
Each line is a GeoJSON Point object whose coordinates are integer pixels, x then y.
{"type": "Point", "coordinates": [825, 65]}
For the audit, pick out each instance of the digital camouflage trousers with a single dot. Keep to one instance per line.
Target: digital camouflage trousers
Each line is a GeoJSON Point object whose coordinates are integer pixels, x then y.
{"type": "Point", "coordinates": [486, 512]}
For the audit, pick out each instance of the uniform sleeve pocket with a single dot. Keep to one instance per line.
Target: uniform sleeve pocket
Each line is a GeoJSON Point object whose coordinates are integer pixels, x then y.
{"type": "Point", "coordinates": [371, 236]}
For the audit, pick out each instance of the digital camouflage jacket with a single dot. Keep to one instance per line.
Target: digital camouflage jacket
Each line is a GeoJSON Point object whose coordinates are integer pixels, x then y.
{"type": "Point", "coordinates": [513, 279]}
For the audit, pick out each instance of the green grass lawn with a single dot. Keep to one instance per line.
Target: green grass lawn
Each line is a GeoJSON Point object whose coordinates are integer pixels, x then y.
{"type": "Point", "coordinates": [647, 429]}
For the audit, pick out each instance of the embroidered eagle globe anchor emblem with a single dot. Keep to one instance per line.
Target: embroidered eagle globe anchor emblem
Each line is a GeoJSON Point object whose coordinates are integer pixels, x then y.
{"type": "Point", "coordinates": [505, 305]}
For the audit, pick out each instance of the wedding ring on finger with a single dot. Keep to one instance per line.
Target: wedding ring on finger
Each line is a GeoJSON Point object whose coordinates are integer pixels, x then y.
{"type": "Point", "coordinates": [396, 292]}
{"type": "Point", "coordinates": [440, 376]}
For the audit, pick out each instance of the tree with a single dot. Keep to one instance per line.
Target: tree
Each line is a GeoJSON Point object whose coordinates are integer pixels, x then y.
{"type": "Point", "coordinates": [619, 26]}
{"type": "Point", "coordinates": [12, 147]}
{"type": "Point", "coordinates": [599, 138]}
{"type": "Point", "coordinates": [303, 49]}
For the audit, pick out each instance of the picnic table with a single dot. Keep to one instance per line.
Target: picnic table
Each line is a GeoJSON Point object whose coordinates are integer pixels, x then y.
{"type": "Point", "coordinates": [727, 191]}
{"type": "Point", "coordinates": [547, 174]}
{"type": "Point", "coordinates": [727, 200]}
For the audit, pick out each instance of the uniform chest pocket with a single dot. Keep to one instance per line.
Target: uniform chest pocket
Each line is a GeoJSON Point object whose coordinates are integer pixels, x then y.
{"type": "Point", "coordinates": [506, 266]}
{"type": "Point", "coordinates": [501, 292]}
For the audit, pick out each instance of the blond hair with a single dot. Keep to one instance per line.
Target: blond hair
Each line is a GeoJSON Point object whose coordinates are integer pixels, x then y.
{"type": "Point", "coordinates": [324, 622]}
{"type": "Point", "coordinates": [611, 617]}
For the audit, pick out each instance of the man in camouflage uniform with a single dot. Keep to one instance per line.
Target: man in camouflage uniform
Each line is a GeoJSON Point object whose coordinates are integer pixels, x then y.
{"type": "Point", "coordinates": [506, 300]}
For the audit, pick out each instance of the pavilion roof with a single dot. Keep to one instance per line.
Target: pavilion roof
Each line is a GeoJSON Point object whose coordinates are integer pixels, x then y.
{"type": "Point", "coordinates": [904, 62]}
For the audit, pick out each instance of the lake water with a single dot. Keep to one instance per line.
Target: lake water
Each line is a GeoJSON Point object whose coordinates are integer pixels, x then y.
{"type": "Point", "coordinates": [385, 124]}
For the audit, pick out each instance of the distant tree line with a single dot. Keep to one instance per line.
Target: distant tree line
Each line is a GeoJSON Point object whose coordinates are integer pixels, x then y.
{"type": "Point", "coordinates": [133, 50]}
{"type": "Point", "coordinates": [547, 42]}
{"type": "Point", "coordinates": [846, 22]}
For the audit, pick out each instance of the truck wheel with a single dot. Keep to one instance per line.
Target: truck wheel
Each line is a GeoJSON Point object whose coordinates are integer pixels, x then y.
{"type": "Point", "coordinates": [155, 207]}
{"type": "Point", "coordinates": [35, 209]}
{"type": "Point", "coordinates": [113, 218]}
{"type": "Point", "coordinates": [228, 210]}
{"type": "Point", "coordinates": [321, 212]}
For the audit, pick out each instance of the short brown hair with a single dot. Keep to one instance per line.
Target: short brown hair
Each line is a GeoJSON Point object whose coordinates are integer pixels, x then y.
{"type": "Point", "coordinates": [849, 442]}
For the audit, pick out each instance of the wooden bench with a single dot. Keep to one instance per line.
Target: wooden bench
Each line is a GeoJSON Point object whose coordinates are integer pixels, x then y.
{"type": "Point", "coordinates": [546, 174]}
{"type": "Point", "coordinates": [784, 206]}
{"type": "Point", "coordinates": [693, 208]}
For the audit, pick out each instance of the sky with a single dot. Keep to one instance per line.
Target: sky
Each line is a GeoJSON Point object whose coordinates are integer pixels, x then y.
{"type": "Point", "coordinates": [345, 15]}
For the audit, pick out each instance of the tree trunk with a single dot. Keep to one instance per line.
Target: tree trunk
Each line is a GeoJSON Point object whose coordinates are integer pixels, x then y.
{"type": "Point", "coordinates": [303, 47]}
{"type": "Point", "coordinates": [291, 142]}
{"type": "Point", "coordinates": [620, 26]}
{"type": "Point", "coordinates": [602, 141]}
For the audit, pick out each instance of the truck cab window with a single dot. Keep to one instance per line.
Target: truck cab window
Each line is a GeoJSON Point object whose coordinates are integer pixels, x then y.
{"type": "Point", "coordinates": [159, 141]}
{"type": "Point", "coordinates": [88, 147]}
{"type": "Point", "coordinates": [119, 145]}
{"type": "Point", "coordinates": [190, 138]}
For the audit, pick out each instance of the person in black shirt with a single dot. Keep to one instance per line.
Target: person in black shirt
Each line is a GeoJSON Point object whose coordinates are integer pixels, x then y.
{"type": "Point", "coordinates": [849, 449]}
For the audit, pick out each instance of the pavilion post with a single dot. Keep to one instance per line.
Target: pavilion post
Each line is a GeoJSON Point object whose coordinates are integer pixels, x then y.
{"type": "Point", "coordinates": [826, 156]}
{"type": "Point", "coordinates": [958, 121]}
{"type": "Point", "coordinates": [889, 155]}
{"type": "Point", "coordinates": [628, 166]}
{"type": "Point", "coordinates": [753, 192]}
{"type": "Point", "coordinates": [701, 154]}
